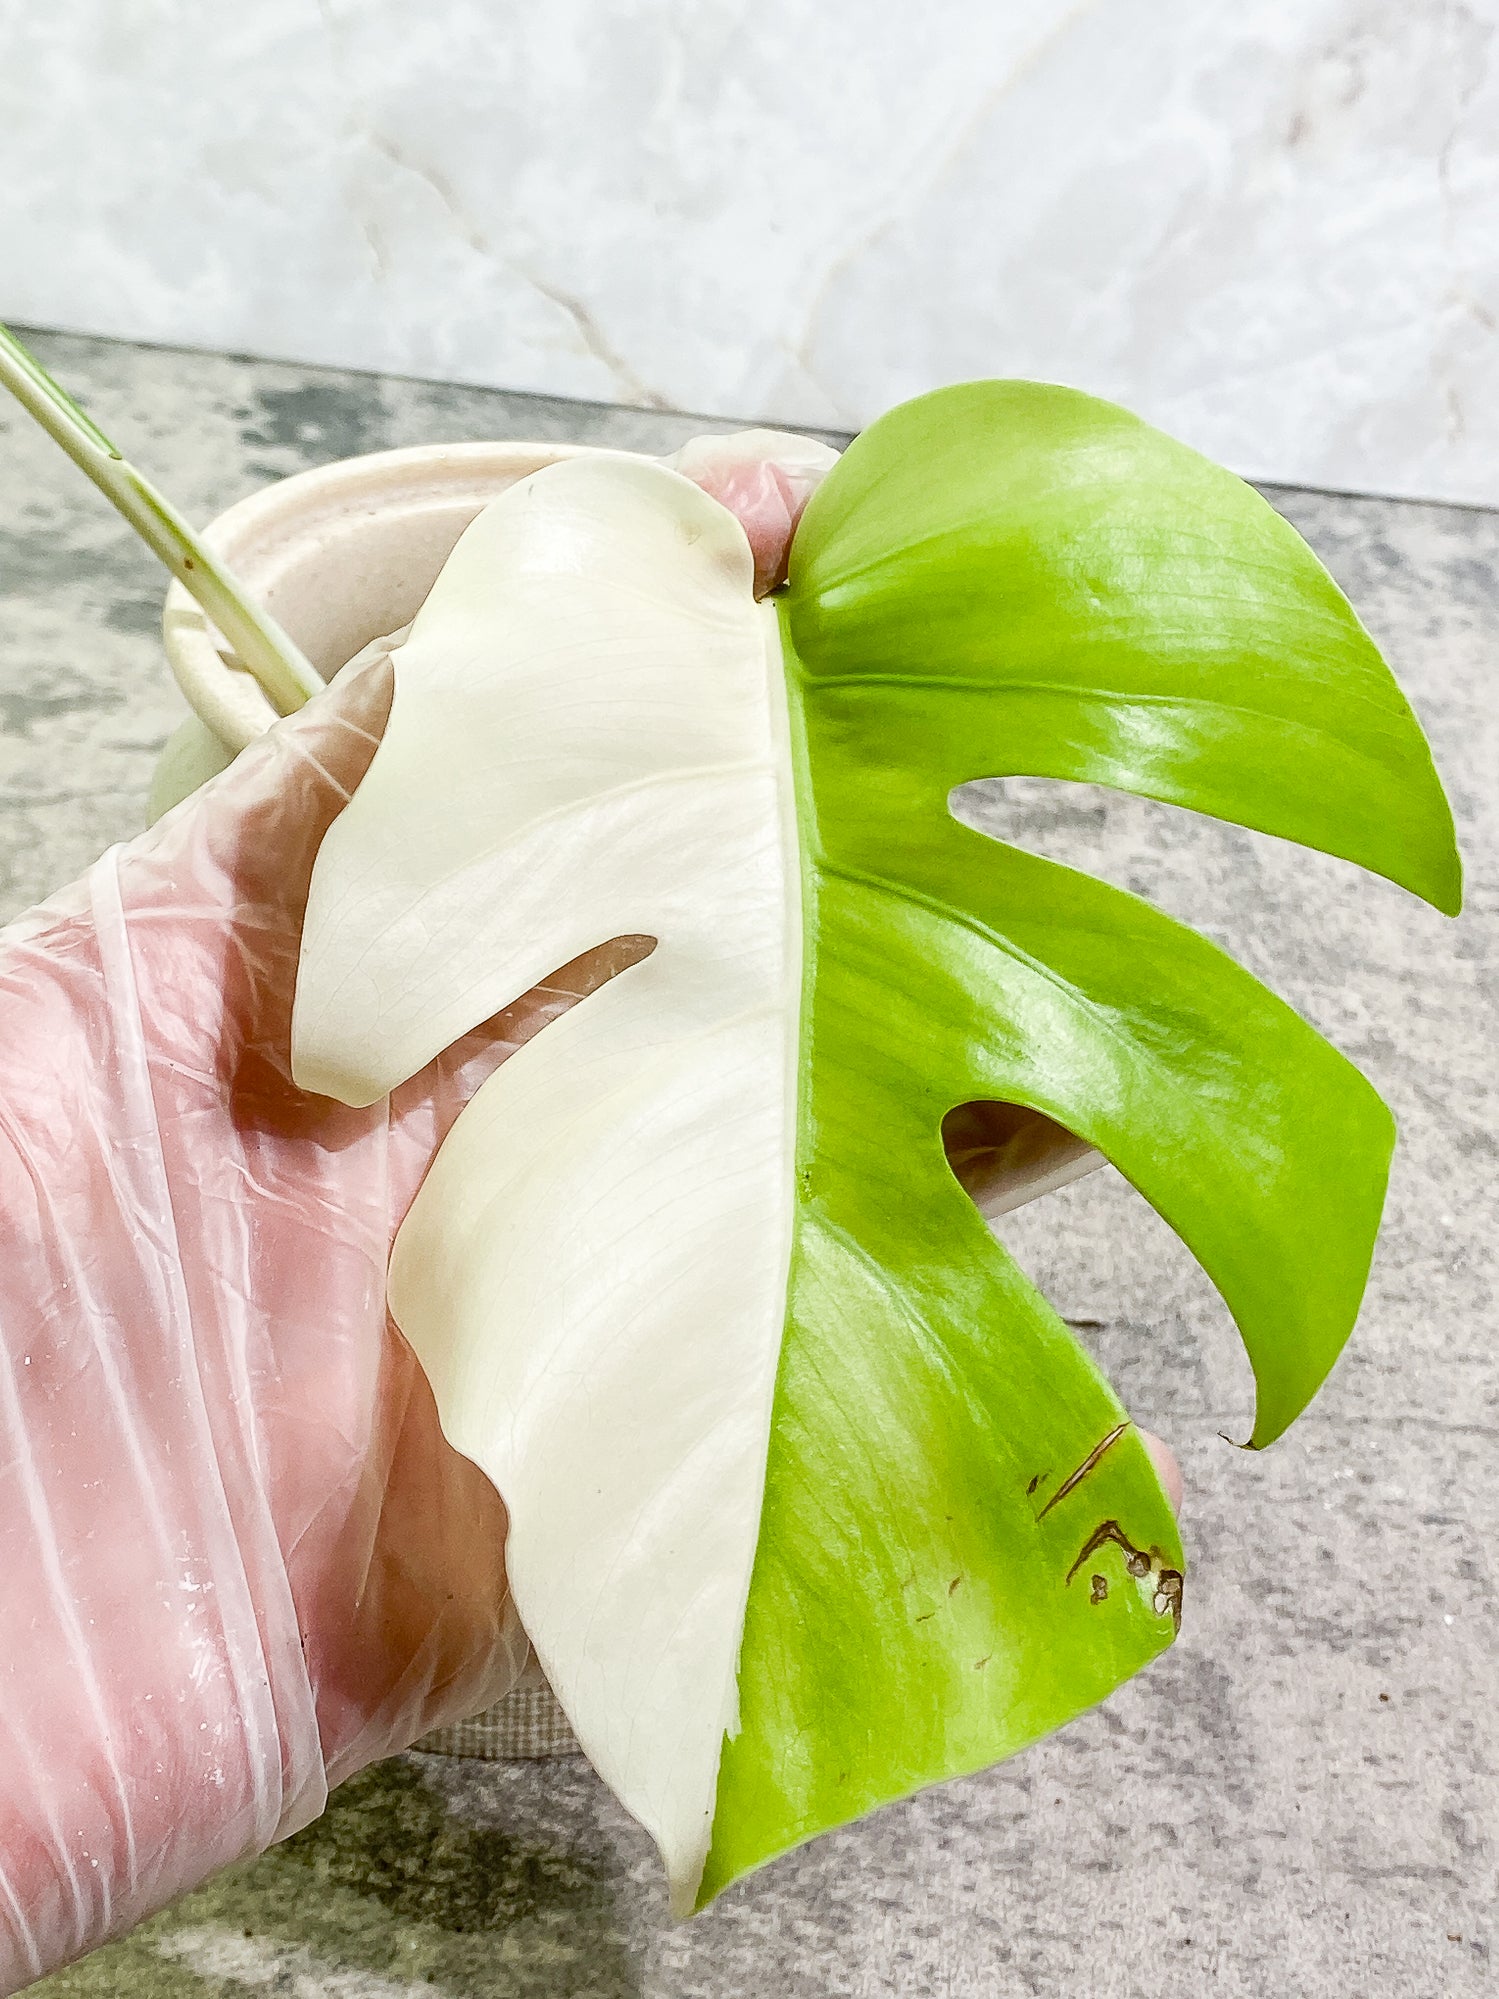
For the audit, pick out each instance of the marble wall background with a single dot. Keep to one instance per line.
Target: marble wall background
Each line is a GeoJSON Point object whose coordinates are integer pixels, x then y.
{"type": "Point", "coordinates": [1272, 227]}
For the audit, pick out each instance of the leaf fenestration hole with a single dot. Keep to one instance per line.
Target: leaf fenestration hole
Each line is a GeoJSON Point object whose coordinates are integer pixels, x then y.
{"type": "Point", "coordinates": [1003, 1155]}
{"type": "Point", "coordinates": [561, 990]}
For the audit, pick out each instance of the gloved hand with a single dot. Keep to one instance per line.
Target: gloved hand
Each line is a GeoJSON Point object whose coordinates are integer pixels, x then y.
{"type": "Point", "coordinates": [237, 1559]}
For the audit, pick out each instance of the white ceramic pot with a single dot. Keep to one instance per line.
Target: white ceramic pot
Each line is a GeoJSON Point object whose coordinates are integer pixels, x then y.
{"type": "Point", "coordinates": [340, 556]}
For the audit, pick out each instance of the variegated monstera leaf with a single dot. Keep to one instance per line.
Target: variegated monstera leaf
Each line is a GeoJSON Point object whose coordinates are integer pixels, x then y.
{"type": "Point", "coordinates": [808, 1487]}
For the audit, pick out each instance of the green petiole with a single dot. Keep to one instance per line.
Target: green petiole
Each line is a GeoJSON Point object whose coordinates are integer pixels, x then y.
{"type": "Point", "coordinates": [259, 643]}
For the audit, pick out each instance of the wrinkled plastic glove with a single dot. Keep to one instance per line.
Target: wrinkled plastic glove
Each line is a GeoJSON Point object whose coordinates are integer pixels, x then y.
{"type": "Point", "coordinates": [238, 1561]}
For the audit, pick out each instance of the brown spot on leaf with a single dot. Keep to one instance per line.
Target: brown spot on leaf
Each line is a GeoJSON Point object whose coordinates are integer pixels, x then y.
{"type": "Point", "coordinates": [1075, 1479]}
{"type": "Point", "coordinates": [1166, 1599]}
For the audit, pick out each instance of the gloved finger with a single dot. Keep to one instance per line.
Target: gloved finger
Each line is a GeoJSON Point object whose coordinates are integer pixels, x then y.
{"type": "Point", "coordinates": [766, 478]}
{"type": "Point", "coordinates": [1164, 1459]}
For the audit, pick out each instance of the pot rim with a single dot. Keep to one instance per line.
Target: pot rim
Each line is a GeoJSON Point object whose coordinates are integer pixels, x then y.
{"type": "Point", "coordinates": [255, 534]}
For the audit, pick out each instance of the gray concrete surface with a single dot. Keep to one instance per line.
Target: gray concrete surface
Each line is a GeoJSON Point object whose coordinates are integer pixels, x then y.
{"type": "Point", "coordinates": [1301, 1797]}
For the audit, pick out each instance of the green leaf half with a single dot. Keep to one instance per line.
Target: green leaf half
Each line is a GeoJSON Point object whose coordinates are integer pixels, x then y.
{"type": "Point", "coordinates": [1009, 578]}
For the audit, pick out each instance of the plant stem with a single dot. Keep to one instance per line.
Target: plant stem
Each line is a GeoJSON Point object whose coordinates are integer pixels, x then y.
{"type": "Point", "coordinates": [287, 676]}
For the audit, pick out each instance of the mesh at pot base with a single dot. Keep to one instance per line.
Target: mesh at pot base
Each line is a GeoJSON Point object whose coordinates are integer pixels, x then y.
{"type": "Point", "coordinates": [527, 1725]}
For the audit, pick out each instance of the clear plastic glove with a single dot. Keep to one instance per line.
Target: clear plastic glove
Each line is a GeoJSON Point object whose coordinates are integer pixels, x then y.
{"type": "Point", "coordinates": [238, 1561]}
